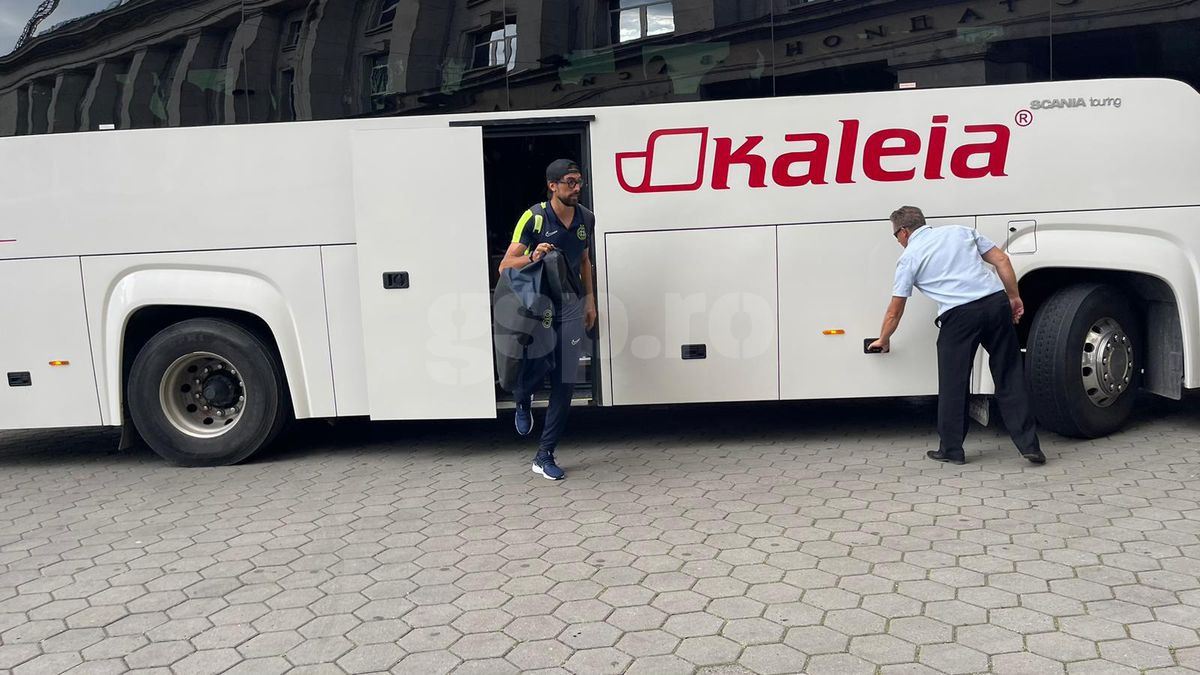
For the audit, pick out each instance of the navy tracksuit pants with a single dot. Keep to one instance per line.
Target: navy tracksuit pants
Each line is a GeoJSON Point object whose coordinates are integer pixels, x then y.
{"type": "Point", "coordinates": [563, 373]}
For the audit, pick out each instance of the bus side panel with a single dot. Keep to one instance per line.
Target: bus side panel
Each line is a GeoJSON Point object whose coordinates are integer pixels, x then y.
{"type": "Point", "coordinates": [44, 321]}
{"type": "Point", "coordinates": [838, 277]}
{"type": "Point", "coordinates": [693, 316]}
{"type": "Point", "coordinates": [340, 270]}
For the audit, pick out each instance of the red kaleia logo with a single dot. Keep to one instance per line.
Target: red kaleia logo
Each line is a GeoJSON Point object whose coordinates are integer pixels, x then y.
{"type": "Point", "coordinates": [810, 165]}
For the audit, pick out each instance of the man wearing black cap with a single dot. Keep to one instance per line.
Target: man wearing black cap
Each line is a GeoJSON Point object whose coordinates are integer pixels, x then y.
{"type": "Point", "coordinates": [564, 225]}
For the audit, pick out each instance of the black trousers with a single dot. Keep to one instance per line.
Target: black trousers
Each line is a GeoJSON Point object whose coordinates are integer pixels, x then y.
{"type": "Point", "coordinates": [988, 322]}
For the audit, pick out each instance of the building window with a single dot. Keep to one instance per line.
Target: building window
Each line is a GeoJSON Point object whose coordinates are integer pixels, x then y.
{"type": "Point", "coordinates": [387, 13]}
{"type": "Point", "coordinates": [636, 19]}
{"type": "Point", "coordinates": [292, 39]}
{"type": "Point", "coordinates": [379, 84]}
{"type": "Point", "coordinates": [496, 47]}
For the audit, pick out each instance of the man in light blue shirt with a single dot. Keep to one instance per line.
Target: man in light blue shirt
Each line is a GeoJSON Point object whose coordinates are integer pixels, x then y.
{"type": "Point", "coordinates": [975, 307]}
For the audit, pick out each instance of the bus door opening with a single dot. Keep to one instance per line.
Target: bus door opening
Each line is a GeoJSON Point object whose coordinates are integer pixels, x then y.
{"type": "Point", "coordinates": [515, 158]}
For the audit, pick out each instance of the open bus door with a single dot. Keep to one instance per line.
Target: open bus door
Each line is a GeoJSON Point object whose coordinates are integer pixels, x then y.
{"type": "Point", "coordinates": [423, 273]}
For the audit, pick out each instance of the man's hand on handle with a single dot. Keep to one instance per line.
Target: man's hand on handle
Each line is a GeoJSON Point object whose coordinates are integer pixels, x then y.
{"type": "Point", "coordinates": [540, 252]}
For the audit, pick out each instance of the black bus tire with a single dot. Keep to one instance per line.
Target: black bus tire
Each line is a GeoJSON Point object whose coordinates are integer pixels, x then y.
{"type": "Point", "coordinates": [207, 392]}
{"type": "Point", "coordinates": [1075, 392]}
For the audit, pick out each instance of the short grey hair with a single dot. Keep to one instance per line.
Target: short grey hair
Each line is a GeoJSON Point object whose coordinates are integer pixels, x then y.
{"type": "Point", "coordinates": [907, 217]}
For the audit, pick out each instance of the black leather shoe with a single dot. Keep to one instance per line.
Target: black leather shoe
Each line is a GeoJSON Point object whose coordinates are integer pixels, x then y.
{"type": "Point", "coordinates": [940, 456]}
{"type": "Point", "coordinates": [1035, 456]}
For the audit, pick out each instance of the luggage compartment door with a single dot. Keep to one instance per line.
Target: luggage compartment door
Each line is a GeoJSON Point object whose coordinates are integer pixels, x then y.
{"type": "Point", "coordinates": [693, 315]}
{"type": "Point", "coordinates": [835, 281]}
{"type": "Point", "coordinates": [422, 273]}
{"type": "Point", "coordinates": [44, 321]}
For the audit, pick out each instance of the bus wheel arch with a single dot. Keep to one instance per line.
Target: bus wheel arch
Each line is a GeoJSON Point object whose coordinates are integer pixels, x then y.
{"type": "Point", "coordinates": [1096, 338]}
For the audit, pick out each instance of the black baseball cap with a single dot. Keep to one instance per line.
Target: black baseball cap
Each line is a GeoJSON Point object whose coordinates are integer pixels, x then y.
{"type": "Point", "coordinates": [560, 168]}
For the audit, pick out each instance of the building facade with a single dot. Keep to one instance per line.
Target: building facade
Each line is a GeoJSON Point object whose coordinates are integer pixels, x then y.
{"type": "Point", "coordinates": [147, 63]}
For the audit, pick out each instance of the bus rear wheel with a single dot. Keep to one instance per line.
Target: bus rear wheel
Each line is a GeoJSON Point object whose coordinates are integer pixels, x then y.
{"type": "Point", "coordinates": [207, 392]}
{"type": "Point", "coordinates": [1083, 359]}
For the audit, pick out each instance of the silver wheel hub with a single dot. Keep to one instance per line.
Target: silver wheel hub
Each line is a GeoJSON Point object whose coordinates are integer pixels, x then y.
{"type": "Point", "coordinates": [202, 395]}
{"type": "Point", "coordinates": [1107, 364]}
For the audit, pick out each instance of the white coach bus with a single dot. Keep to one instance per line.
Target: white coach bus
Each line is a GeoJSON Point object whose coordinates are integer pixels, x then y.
{"type": "Point", "coordinates": [206, 285]}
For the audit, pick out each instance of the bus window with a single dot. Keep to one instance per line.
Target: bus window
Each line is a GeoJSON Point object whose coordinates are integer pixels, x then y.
{"type": "Point", "coordinates": [1152, 50]}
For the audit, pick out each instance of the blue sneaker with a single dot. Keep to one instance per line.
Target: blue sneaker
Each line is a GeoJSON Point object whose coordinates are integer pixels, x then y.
{"type": "Point", "coordinates": [523, 419]}
{"type": "Point", "coordinates": [546, 467]}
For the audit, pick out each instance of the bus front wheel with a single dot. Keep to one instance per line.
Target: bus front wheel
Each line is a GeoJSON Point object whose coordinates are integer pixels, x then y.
{"type": "Point", "coordinates": [1083, 359]}
{"type": "Point", "coordinates": [207, 392]}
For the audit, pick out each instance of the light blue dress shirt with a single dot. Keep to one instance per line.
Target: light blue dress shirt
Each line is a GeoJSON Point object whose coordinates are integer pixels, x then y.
{"type": "Point", "coordinates": [946, 264]}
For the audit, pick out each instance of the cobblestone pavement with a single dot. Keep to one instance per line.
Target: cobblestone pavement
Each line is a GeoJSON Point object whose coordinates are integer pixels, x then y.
{"type": "Point", "coordinates": [719, 539]}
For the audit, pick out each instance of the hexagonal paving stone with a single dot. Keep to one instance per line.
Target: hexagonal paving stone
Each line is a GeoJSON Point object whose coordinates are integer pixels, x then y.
{"type": "Point", "coordinates": [1164, 635]}
{"type": "Point", "coordinates": [1092, 628]}
{"type": "Point", "coordinates": [432, 638]}
{"type": "Point", "coordinates": [647, 643]}
{"type": "Point", "coordinates": [708, 650]}
{"type": "Point", "coordinates": [839, 664]}
{"type": "Point", "coordinates": [1136, 654]}
{"type": "Point", "coordinates": [957, 612]}
{"type": "Point", "coordinates": [483, 646]}
{"type": "Point", "coordinates": [753, 631]}
{"type": "Point", "coordinates": [817, 640]}
{"type": "Point", "coordinates": [159, 654]}
{"type": "Point", "coordinates": [989, 639]}
{"type": "Point", "coordinates": [269, 644]}
{"type": "Point", "coordinates": [48, 663]}
{"type": "Point", "coordinates": [600, 661]}
{"type": "Point", "coordinates": [882, 649]}
{"type": "Point", "coordinates": [772, 659]}
{"type": "Point", "coordinates": [371, 658]}
{"type": "Point", "coordinates": [210, 661]}
{"type": "Point", "coordinates": [854, 622]}
{"type": "Point", "coordinates": [660, 665]}
{"type": "Point", "coordinates": [529, 628]}
{"type": "Point", "coordinates": [325, 650]}
{"type": "Point", "coordinates": [1021, 620]}
{"type": "Point", "coordinates": [428, 662]}
{"type": "Point", "coordinates": [952, 658]}
{"type": "Point", "coordinates": [581, 611]}
{"type": "Point", "coordinates": [637, 618]}
{"type": "Point", "coordinates": [693, 624]}
{"type": "Point", "coordinates": [1062, 647]}
{"type": "Point", "coordinates": [1100, 667]}
{"type": "Point", "coordinates": [590, 635]}
{"type": "Point", "coordinates": [1189, 657]}
{"type": "Point", "coordinates": [1021, 663]}
{"type": "Point", "coordinates": [538, 654]}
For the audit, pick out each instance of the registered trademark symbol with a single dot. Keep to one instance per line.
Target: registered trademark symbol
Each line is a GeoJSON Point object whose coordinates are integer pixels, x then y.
{"type": "Point", "coordinates": [1024, 118]}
